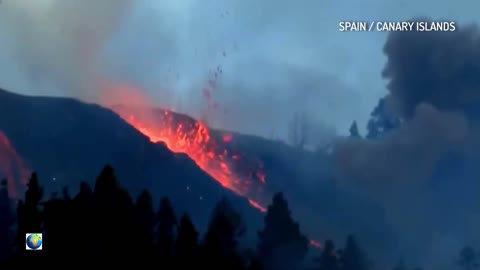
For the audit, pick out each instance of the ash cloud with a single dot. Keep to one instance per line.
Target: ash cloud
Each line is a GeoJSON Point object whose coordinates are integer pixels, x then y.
{"type": "Point", "coordinates": [433, 78]}
{"type": "Point", "coordinates": [433, 84]}
{"type": "Point", "coordinates": [408, 155]}
{"type": "Point", "coordinates": [439, 68]}
{"type": "Point", "coordinates": [55, 44]}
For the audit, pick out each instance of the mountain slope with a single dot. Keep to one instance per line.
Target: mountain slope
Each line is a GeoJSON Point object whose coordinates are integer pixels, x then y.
{"type": "Point", "coordinates": [305, 177]}
{"type": "Point", "coordinates": [62, 138]}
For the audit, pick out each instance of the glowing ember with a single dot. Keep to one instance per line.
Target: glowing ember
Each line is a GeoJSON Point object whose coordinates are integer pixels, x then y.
{"type": "Point", "coordinates": [315, 243]}
{"type": "Point", "coordinates": [12, 167]}
{"type": "Point", "coordinates": [228, 138]}
{"type": "Point", "coordinates": [258, 206]}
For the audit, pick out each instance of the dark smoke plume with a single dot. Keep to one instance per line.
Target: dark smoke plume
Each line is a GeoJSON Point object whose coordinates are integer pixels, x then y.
{"type": "Point", "coordinates": [439, 68]}
{"type": "Point", "coordinates": [434, 86]}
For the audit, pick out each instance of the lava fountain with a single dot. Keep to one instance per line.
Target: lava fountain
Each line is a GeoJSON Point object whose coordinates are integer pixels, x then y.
{"type": "Point", "coordinates": [182, 134]}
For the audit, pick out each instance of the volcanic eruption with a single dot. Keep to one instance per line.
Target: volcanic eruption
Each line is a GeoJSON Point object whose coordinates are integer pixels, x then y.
{"type": "Point", "coordinates": [208, 148]}
{"type": "Point", "coordinates": [183, 134]}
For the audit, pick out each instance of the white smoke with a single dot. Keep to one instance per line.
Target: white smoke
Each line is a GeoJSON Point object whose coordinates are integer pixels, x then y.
{"type": "Point", "coordinates": [56, 43]}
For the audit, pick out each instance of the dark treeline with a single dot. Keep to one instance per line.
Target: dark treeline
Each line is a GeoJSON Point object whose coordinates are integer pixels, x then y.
{"type": "Point", "coordinates": [106, 225]}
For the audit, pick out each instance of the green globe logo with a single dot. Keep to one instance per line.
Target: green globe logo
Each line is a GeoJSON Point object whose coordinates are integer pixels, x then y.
{"type": "Point", "coordinates": [34, 241]}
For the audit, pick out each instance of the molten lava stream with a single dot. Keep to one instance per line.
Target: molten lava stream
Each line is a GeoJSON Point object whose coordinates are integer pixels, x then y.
{"type": "Point", "coordinates": [194, 139]}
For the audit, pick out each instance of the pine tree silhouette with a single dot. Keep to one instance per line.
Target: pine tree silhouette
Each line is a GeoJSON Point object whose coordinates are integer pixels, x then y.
{"type": "Point", "coordinates": [353, 257]}
{"type": "Point", "coordinates": [106, 185]}
{"type": "Point", "coordinates": [468, 259]}
{"type": "Point", "coordinates": [167, 222]}
{"type": "Point", "coordinates": [6, 221]}
{"type": "Point", "coordinates": [281, 244]}
{"type": "Point", "coordinates": [83, 223]}
{"type": "Point", "coordinates": [329, 258]}
{"type": "Point", "coordinates": [144, 219]}
{"type": "Point", "coordinates": [354, 133]}
{"type": "Point", "coordinates": [29, 214]}
{"type": "Point", "coordinates": [186, 245]}
{"type": "Point", "coordinates": [105, 226]}
{"type": "Point", "coordinates": [221, 240]}
{"type": "Point", "coordinates": [58, 219]}
{"type": "Point", "coordinates": [114, 216]}
{"type": "Point", "coordinates": [381, 121]}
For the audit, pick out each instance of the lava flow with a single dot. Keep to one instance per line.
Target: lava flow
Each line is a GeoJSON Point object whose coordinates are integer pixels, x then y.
{"type": "Point", "coordinates": [12, 167]}
{"type": "Point", "coordinates": [207, 148]}
{"type": "Point", "coordinates": [182, 134]}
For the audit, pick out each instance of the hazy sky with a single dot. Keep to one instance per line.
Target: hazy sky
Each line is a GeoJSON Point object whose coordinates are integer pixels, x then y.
{"type": "Point", "coordinates": [277, 57]}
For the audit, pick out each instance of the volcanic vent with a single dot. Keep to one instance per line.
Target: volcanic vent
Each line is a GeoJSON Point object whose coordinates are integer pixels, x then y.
{"type": "Point", "coordinates": [209, 149]}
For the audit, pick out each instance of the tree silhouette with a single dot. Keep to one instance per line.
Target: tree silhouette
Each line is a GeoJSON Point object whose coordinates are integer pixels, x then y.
{"type": "Point", "coordinates": [114, 215]}
{"type": "Point", "coordinates": [167, 222]}
{"type": "Point", "coordinates": [106, 185]}
{"type": "Point", "coordinates": [328, 258]}
{"type": "Point", "coordinates": [354, 130]}
{"type": "Point", "coordinates": [186, 244]}
{"type": "Point", "coordinates": [107, 226]}
{"type": "Point", "coordinates": [468, 258]}
{"type": "Point", "coordinates": [66, 193]}
{"type": "Point", "coordinates": [28, 212]}
{"type": "Point", "coordinates": [6, 221]}
{"type": "Point", "coordinates": [34, 193]}
{"type": "Point", "coordinates": [83, 223]}
{"type": "Point", "coordinates": [221, 239]}
{"type": "Point", "coordinates": [353, 257]}
{"type": "Point", "coordinates": [58, 219]}
{"type": "Point", "coordinates": [381, 121]}
{"type": "Point", "coordinates": [144, 224]}
{"type": "Point", "coordinates": [281, 244]}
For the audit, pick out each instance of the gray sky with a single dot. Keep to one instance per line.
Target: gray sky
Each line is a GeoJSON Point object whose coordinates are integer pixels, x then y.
{"type": "Point", "coordinates": [277, 57]}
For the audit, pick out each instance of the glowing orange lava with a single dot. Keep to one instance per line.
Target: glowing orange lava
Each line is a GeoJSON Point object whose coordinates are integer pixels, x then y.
{"type": "Point", "coordinates": [182, 134]}
{"type": "Point", "coordinates": [12, 167]}
{"type": "Point", "coordinates": [195, 139]}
